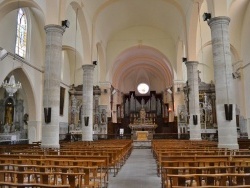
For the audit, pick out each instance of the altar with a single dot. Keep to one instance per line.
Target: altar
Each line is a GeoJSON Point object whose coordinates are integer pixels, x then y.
{"type": "Point", "coordinates": [143, 124]}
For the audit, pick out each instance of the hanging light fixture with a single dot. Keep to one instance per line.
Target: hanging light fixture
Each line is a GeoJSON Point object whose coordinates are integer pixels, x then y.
{"type": "Point", "coordinates": [11, 87]}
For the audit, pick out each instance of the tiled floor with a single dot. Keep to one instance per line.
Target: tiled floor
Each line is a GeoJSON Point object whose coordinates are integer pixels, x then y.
{"type": "Point", "coordinates": [139, 171]}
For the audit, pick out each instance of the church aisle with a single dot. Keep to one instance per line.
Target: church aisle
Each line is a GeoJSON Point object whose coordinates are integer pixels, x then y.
{"type": "Point", "coordinates": [139, 171]}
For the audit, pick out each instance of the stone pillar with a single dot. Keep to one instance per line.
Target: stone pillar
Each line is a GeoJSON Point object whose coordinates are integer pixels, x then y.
{"type": "Point", "coordinates": [87, 102]}
{"type": "Point", "coordinates": [51, 90]}
{"type": "Point", "coordinates": [227, 131]}
{"type": "Point", "coordinates": [194, 109]}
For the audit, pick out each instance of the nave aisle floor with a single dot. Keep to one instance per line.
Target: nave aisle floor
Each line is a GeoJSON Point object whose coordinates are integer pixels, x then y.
{"type": "Point", "coordinates": [139, 171]}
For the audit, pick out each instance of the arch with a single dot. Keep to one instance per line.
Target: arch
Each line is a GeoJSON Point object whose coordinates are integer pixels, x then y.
{"type": "Point", "coordinates": [153, 63]}
{"type": "Point", "coordinates": [102, 15]}
{"type": "Point", "coordinates": [101, 61]}
{"type": "Point", "coordinates": [26, 92]}
{"type": "Point", "coordinates": [10, 5]}
{"type": "Point", "coordinates": [75, 64]}
{"type": "Point", "coordinates": [84, 33]}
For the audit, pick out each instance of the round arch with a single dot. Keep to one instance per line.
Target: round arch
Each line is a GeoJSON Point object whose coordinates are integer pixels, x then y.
{"type": "Point", "coordinates": [10, 5]}
{"type": "Point", "coordinates": [135, 65]}
{"type": "Point", "coordinates": [85, 36]}
{"type": "Point", "coordinates": [26, 92]}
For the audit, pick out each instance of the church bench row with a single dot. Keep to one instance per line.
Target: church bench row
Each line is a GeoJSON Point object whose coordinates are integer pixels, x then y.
{"type": "Point", "coordinates": [214, 186]}
{"type": "Point", "coordinates": [203, 160]}
{"type": "Point", "coordinates": [53, 166]}
{"type": "Point", "coordinates": [101, 161]}
{"type": "Point", "coordinates": [160, 152]}
{"type": "Point", "coordinates": [183, 143]}
{"type": "Point", "coordinates": [207, 180]}
{"type": "Point", "coordinates": [194, 155]}
{"type": "Point", "coordinates": [64, 176]}
{"type": "Point", "coordinates": [118, 154]}
{"type": "Point", "coordinates": [30, 185]}
{"type": "Point", "coordinates": [114, 161]}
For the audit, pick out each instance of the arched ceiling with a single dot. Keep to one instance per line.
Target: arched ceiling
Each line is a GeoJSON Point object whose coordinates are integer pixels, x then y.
{"type": "Point", "coordinates": [135, 64]}
{"type": "Point", "coordinates": [141, 64]}
{"type": "Point", "coordinates": [122, 14]}
{"type": "Point", "coordinates": [172, 17]}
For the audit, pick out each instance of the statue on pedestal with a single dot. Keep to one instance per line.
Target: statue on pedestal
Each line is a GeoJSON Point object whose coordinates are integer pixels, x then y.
{"type": "Point", "coordinates": [142, 115]}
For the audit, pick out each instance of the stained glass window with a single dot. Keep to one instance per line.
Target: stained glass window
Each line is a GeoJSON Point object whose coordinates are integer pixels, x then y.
{"type": "Point", "coordinates": [21, 36]}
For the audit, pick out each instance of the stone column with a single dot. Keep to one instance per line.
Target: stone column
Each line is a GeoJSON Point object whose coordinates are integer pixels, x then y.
{"type": "Point", "coordinates": [51, 90]}
{"type": "Point", "coordinates": [227, 131]}
{"type": "Point", "coordinates": [87, 104]}
{"type": "Point", "coordinates": [194, 109]}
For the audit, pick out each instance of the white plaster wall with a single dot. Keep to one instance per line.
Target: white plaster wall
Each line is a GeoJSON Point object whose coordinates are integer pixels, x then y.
{"type": "Point", "coordinates": [8, 36]}
{"type": "Point", "coordinates": [67, 74]}
{"type": "Point", "coordinates": [36, 43]}
{"type": "Point", "coordinates": [206, 64]}
{"type": "Point", "coordinates": [69, 38]}
{"type": "Point", "coordinates": [246, 59]}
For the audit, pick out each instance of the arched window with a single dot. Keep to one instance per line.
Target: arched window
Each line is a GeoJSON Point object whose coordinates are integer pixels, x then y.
{"type": "Point", "coordinates": [21, 33]}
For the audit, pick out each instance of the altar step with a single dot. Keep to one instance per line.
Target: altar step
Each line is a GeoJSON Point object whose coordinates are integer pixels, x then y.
{"type": "Point", "coordinates": [142, 144]}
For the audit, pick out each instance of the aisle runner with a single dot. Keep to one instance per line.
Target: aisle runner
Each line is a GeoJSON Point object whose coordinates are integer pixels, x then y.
{"type": "Point", "coordinates": [138, 172]}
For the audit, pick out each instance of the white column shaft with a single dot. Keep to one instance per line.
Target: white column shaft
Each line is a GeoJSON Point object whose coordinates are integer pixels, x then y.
{"type": "Point", "coordinates": [194, 110]}
{"type": "Point", "coordinates": [51, 94]}
{"type": "Point", "coordinates": [87, 106]}
{"type": "Point", "coordinates": [227, 131]}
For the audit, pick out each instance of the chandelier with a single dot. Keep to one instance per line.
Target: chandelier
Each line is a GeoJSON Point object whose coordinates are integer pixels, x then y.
{"type": "Point", "coordinates": [11, 87]}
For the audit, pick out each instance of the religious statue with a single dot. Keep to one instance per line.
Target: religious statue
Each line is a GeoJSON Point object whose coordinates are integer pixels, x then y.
{"type": "Point", "coordinates": [26, 119]}
{"type": "Point", "coordinates": [142, 115]}
{"type": "Point", "coordinates": [8, 115]}
{"type": "Point", "coordinates": [181, 115]}
{"type": "Point", "coordinates": [103, 116]}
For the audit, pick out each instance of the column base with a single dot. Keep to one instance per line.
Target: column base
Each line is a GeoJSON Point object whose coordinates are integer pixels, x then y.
{"type": "Point", "coordinates": [50, 146]}
{"type": "Point", "coordinates": [34, 131]}
{"type": "Point", "coordinates": [50, 136]}
{"type": "Point", "coordinates": [229, 146]}
{"type": "Point", "coordinates": [195, 132]}
{"type": "Point", "coordinates": [195, 139]}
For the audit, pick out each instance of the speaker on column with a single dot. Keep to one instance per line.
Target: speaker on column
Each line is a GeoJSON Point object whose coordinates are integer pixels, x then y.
{"type": "Point", "coordinates": [86, 121]}
{"type": "Point", "coordinates": [47, 115]}
{"type": "Point", "coordinates": [228, 111]}
{"type": "Point", "coordinates": [195, 119]}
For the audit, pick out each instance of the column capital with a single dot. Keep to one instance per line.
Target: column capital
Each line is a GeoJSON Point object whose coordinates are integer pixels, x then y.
{"type": "Point", "coordinates": [88, 67]}
{"type": "Point", "coordinates": [191, 63]}
{"type": "Point", "coordinates": [219, 20]}
{"type": "Point", "coordinates": [54, 28]}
